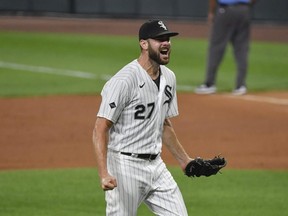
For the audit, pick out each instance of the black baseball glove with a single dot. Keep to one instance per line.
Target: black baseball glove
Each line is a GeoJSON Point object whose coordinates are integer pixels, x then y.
{"type": "Point", "coordinates": [201, 167]}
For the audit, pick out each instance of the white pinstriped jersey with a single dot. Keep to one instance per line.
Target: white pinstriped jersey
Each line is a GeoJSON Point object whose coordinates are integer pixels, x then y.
{"type": "Point", "coordinates": [133, 102]}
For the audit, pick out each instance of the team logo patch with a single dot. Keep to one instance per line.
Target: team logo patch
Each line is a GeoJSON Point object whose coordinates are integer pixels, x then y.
{"type": "Point", "coordinates": [112, 105]}
{"type": "Point", "coordinates": [168, 93]}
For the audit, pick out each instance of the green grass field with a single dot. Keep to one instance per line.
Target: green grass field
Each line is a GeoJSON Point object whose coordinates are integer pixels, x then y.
{"type": "Point", "coordinates": [77, 192]}
{"type": "Point", "coordinates": [30, 62]}
{"type": "Point", "coordinates": [35, 64]}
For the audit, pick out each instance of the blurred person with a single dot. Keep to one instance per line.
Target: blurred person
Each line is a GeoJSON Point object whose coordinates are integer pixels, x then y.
{"type": "Point", "coordinates": [230, 21]}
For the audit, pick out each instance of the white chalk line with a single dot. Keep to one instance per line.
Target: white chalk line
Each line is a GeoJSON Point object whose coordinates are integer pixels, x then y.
{"type": "Point", "coordinates": [63, 72]}
{"type": "Point", "coordinates": [263, 99]}
{"type": "Point", "coordinates": [49, 70]}
{"type": "Point", "coordinates": [88, 75]}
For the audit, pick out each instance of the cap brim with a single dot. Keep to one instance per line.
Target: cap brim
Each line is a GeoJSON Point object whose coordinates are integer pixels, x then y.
{"type": "Point", "coordinates": [169, 34]}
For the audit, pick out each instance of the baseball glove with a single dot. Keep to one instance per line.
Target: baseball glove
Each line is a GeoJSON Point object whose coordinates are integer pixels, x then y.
{"type": "Point", "coordinates": [201, 167]}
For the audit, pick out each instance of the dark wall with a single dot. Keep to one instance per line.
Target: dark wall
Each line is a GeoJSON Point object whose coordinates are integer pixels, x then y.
{"type": "Point", "coordinates": [264, 10]}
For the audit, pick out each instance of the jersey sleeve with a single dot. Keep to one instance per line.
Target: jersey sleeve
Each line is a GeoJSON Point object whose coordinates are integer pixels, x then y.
{"type": "Point", "coordinates": [114, 98]}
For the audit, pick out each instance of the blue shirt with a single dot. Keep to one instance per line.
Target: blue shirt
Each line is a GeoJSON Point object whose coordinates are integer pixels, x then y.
{"type": "Point", "coordinates": [230, 2]}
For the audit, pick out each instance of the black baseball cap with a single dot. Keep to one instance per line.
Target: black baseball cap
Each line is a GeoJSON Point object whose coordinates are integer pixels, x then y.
{"type": "Point", "coordinates": [154, 29]}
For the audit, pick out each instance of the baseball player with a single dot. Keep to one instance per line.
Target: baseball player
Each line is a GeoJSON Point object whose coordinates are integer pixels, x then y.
{"type": "Point", "coordinates": [131, 126]}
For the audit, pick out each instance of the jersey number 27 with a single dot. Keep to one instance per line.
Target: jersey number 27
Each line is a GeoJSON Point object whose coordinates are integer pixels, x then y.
{"type": "Point", "coordinates": [141, 111]}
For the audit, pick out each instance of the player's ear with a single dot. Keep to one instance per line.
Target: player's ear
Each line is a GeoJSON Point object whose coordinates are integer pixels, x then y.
{"type": "Point", "coordinates": [143, 44]}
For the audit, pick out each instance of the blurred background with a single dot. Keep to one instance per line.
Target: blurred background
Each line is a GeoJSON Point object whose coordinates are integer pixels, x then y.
{"type": "Point", "coordinates": [275, 11]}
{"type": "Point", "coordinates": [54, 132]}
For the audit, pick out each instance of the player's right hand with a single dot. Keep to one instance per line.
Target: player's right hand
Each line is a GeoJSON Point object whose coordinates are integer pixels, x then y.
{"type": "Point", "coordinates": [108, 183]}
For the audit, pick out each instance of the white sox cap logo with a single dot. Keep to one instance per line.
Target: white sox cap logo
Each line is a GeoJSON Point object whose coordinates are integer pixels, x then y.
{"type": "Point", "coordinates": [154, 29]}
{"type": "Point", "coordinates": [162, 25]}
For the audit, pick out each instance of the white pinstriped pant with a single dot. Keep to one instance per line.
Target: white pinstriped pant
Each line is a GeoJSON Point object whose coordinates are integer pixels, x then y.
{"type": "Point", "coordinates": [140, 181]}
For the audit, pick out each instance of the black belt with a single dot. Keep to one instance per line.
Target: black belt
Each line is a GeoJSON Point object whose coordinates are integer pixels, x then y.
{"type": "Point", "coordinates": [236, 4]}
{"type": "Point", "coordinates": [141, 156]}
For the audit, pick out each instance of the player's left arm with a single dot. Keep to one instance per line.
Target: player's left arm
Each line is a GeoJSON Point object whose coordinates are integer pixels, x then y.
{"type": "Point", "coordinates": [171, 141]}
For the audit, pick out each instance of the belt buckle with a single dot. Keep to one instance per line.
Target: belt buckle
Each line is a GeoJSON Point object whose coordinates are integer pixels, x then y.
{"type": "Point", "coordinates": [152, 157]}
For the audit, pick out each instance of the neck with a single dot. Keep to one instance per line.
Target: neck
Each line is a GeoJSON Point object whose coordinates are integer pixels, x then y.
{"type": "Point", "coordinates": [151, 67]}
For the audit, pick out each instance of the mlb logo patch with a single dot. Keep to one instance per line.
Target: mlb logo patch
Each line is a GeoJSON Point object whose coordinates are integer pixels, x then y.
{"type": "Point", "coordinates": [112, 105]}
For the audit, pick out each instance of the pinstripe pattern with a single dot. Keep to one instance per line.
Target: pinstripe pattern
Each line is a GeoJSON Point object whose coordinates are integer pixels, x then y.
{"type": "Point", "coordinates": [142, 181]}
{"type": "Point", "coordinates": [133, 102]}
{"type": "Point", "coordinates": [137, 135]}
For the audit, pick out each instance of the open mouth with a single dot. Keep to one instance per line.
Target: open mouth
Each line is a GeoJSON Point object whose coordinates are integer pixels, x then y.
{"type": "Point", "coordinates": [164, 51]}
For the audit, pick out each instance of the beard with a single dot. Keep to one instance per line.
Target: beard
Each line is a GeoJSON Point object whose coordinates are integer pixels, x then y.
{"type": "Point", "coordinates": [158, 57]}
